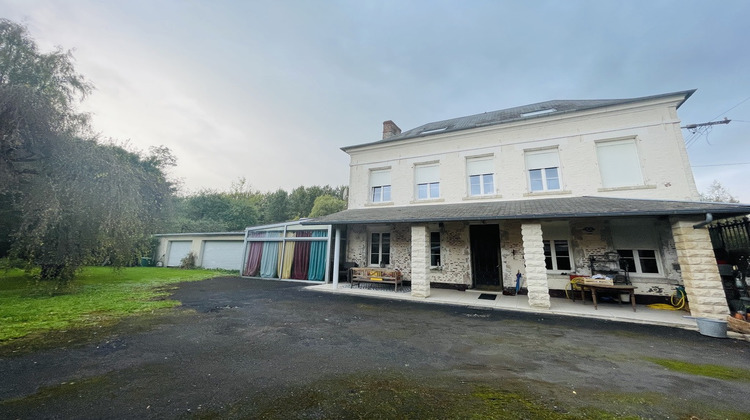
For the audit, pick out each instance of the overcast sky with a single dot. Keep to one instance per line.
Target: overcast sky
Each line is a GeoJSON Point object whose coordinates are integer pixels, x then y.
{"type": "Point", "coordinates": [270, 90]}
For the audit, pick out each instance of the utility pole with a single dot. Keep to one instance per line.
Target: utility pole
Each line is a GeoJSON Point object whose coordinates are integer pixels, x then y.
{"type": "Point", "coordinates": [694, 127]}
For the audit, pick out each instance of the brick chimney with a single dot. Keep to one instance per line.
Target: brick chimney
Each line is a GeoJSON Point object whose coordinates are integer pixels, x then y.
{"type": "Point", "coordinates": [390, 129]}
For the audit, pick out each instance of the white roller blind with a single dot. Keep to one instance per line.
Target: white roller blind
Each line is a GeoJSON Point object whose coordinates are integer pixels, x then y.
{"type": "Point", "coordinates": [480, 166]}
{"type": "Point", "coordinates": [619, 164]}
{"type": "Point", "coordinates": [427, 173]}
{"type": "Point", "coordinates": [542, 159]}
{"type": "Point", "coordinates": [380, 178]}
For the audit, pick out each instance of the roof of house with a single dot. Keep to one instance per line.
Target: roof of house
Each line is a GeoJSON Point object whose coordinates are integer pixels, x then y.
{"type": "Point", "coordinates": [544, 208]}
{"type": "Point", "coordinates": [525, 112]}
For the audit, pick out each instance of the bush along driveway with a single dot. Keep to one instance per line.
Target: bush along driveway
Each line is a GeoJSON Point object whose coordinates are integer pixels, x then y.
{"type": "Point", "coordinates": [242, 348]}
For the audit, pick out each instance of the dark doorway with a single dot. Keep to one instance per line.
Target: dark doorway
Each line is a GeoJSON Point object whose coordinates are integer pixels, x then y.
{"type": "Point", "coordinates": [485, 266]}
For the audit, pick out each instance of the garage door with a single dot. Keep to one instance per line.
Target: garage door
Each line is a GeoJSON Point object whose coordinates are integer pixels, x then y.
{"type": "Point", "coordinates": [222, 254]}
{"type": "Point", "coordinates": [177, 251]}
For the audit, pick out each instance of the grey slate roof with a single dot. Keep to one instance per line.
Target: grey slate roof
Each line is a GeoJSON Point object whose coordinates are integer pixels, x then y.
{"type": "Point", "coordinates": [543, 208]}
{"type": "Point", "coordinates": [503, 116]}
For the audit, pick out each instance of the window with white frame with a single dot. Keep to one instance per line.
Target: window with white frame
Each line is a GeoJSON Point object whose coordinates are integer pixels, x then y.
{"type": "Point", "coordinates": [380, 186]}
{"type": "Point", "coordinates": [557, 254]}
{"type": "Point", "coordinates": [641, 261]}
{"type": "Point", "coordinates": [481, 174]}
{"type": "Point", "coordinates": [380, 248]}
{"type": "Point", "coordinates": [637, 242]}
{"type": "Point", "coordinates": [544, 170]}
{"type": "Point", "coordinates": [619, 164]}
{"type": "Point", "coordinates": [428, 181]}
{"type": "Point", "coordinates": [434, 249]}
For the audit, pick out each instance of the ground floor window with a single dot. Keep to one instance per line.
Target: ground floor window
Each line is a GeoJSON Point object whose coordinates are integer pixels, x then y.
{"type": "Point", "coordinates": [642, 261]}
{"type": "Point", "coordinates": [434, 249]}
{"type": "Point", "coordinates": [380, 248]}
{"type": "Point", "coordinates": [557, 254]}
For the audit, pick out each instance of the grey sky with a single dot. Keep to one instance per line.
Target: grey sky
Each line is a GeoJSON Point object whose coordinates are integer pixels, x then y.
{"type": "Point", "coordinates": [269, 90]}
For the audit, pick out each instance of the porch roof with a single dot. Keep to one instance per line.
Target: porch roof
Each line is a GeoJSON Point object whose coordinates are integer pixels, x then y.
{"type": "Point", "coordinates": [542, 208]}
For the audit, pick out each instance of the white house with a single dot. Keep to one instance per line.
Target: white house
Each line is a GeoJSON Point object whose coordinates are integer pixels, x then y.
{"type": "Point", "coordinates": [537, 190]}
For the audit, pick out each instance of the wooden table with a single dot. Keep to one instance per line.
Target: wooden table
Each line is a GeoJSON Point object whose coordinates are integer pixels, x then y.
{"type": "Point", "coordinates": [624, 288]}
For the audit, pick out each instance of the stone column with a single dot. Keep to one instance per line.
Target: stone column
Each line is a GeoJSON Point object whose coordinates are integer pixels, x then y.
{"type": "Point", "coordinates": [700, 274]}
{"type": "Point", "coordinates": [420, 261]}
{"type": "Point", "coordinates": [536, 271]}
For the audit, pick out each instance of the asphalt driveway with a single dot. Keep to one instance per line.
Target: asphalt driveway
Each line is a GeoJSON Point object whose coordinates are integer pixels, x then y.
{"type": "Point", "coordinates": [240, 348]}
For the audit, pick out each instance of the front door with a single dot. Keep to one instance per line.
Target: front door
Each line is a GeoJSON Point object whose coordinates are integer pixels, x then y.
{"type": "Point", "coordinates": [485, 246]}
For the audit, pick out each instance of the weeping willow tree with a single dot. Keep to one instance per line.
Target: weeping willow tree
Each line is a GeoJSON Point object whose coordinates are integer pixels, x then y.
{"type": "Point", "coordinates": [70, 199]}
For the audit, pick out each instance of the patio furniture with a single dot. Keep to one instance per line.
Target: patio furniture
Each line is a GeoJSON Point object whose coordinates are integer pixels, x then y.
{"type": "Point", "coordinates": [375, 275]}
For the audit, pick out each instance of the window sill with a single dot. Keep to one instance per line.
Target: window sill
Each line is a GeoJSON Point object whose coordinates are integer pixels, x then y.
{"type": "Point", "coordinates": [427, 200]}
{"type": "Point", "coordinates": [634, 187]}
{"type": "Point", "coordinates": [543, 193]}
{"type": "Point", "coordinates": [384, 203]}
{"type": "Point", "coordinates": [482, 197]}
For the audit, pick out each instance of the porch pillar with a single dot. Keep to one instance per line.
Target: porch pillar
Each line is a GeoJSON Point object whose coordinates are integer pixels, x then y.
{"type": "Point", "coordinates": [700, 274]}
{"type": "Point", "coordinates": [336, 258]}
{"type": "Point", "coordinates": [420, 261]}
{"type": "Point", "coordinates": [536, 270]}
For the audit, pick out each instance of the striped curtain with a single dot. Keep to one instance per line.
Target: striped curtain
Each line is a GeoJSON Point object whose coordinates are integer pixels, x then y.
{"type": "Point", "coordinates": [317, 265]}
{"type": "Point", "coordinates": [302, 256]}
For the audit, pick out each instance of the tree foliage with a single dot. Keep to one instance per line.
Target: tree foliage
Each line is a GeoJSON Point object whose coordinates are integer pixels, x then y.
{"type": "Point", "coordinates": [718, 194]}
{"type": "Point", "coordinates": [327, 204]}
{"type": "Point", "coordinates": [71, 199]}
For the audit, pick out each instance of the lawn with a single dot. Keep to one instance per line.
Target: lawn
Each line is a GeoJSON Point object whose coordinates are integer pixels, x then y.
{"type": "Point", "coordinates": [97, 295]}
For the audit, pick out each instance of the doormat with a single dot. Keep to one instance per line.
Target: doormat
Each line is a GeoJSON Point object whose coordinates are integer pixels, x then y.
{"type": "Point", "coordinates": [487, 296]}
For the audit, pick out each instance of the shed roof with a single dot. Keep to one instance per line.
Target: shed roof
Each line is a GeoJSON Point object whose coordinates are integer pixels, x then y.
{"type": "Point", "coordinates": [544, 208]}
{"type": "Point", "coordinates": [525, 112]}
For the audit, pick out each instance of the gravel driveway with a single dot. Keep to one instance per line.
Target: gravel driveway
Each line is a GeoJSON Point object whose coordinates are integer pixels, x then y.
{"type": "Point", "coordinates": [240, 348]}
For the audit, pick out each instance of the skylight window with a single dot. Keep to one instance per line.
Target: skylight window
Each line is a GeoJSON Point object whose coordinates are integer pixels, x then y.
{"type": "Point", "coordinates": [540, 112]}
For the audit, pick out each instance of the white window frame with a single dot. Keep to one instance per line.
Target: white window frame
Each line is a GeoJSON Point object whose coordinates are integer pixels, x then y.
{"type": "Point", "coordinates": [542, 161]}
{"type": "Point", "coordinates": [423, 177]}
{"type": "Point", "coordinates": [380, 248]}
{"type": "Point", "coordinates": [482, 169]}
{"type": "Point", "coordinates": [553, 254]}
{"type": "Point", "coordinates": [439, 253]}
{"type": "Point", "coordinates": [637, 261]}
{"type": "Point", "coordinates": [619, 163]}
{"type": "Point", "coordinates": [380, 186]}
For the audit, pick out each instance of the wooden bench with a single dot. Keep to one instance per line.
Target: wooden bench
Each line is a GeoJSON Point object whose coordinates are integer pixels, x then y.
{"type": "Point", "coordinates": [375, 275]}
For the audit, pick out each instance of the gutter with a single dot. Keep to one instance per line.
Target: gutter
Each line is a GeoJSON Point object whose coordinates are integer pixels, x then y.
{"type": "Point", "coordinates": [709, 219]}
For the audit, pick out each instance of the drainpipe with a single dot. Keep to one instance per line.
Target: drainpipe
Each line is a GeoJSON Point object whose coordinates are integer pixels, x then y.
{"type": "Point", "coordinates": [709, 219]}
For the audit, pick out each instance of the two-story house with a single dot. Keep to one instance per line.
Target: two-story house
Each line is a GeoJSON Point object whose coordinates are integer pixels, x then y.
{"type": "Point", "coordinates": [536, 190]}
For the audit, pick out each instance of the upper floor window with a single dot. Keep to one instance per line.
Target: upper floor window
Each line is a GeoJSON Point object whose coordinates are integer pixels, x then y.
{"type": "Point", "coordinates": [619, 164]}
{"type": "Point", "coordinates": [544, 170]}
{"type": "Point", "coordinates": [481, 176]}
{"type": "Point", "coordinates": [380, 186]}
{"type": "Point", "coordinates": [428, 181]}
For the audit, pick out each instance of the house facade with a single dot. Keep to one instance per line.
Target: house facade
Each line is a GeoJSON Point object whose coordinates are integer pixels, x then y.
{"type": "Point", "coordinates": [538, 190]}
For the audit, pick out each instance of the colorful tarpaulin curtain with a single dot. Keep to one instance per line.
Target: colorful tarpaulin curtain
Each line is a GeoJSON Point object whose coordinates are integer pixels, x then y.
{"type": "Point", "coordinates": [252, 265]}
{"type": "Point", "coordinates": [317, 269]}
{"type": "Point", "coordinates": [286, 266]}
{"type": "Point", "coordinates": [302, 256]}
{"type": "Point", "coordinates": [269, 261]}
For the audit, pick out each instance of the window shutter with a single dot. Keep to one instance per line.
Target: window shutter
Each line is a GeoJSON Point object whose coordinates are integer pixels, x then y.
{"type": "Point", "coordinates": [380, 178]}
{"type": "Point", "coordinates": [542, 159]}
{"type": "Point", "coordinates": [427, 174]}
{"type": "Point", "coordinates": [619, 164]}
{"type": "Point", "coordinates": [480, 166]}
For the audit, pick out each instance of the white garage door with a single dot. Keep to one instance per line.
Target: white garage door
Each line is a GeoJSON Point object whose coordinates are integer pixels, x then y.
{"type": "Point", "coordinates": [222, 254]}
{"type": "Point", "coordinates": [177, 251]}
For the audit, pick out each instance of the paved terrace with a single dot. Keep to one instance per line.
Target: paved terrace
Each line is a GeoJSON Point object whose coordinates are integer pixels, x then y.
{"type": "Point", "coordinates": [559, 306]}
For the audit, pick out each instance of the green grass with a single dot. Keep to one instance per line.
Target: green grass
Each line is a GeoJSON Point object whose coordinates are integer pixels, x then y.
{"type": "Point", "coordinates": [711, 371]}
{"type": "Point", "coordinates": [97, 295]}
